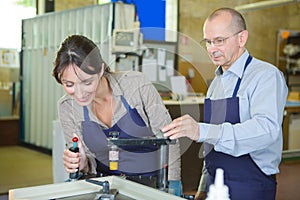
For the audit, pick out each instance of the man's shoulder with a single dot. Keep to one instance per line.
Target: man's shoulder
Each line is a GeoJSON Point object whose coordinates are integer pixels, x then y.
{"type": "Point", "coordinates": [261, 66]}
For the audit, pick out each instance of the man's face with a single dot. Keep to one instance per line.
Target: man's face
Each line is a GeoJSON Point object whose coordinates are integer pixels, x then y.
{"type": "Point", "coordinates": [221, 42]}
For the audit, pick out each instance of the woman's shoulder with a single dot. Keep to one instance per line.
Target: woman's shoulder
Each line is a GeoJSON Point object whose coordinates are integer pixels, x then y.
{"type": "Point", "coordinates": [130, 77]}
{"type": "Point", "coordinates": [129, 83]}
{"type": "Point", "coordinates": [66, 102]}
{"type": "Point", "coordinates": [68, 107]}
{"type": "Point", "coordinates": [64, 99]}
{"type": "Point", "coordinates": [129, 74]}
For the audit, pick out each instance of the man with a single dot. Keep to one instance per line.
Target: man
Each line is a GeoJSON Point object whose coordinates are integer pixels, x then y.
{"type": "Point", "coordinates": [243, 112]}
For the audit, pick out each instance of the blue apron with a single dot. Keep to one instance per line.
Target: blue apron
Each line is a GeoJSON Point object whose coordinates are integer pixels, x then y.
{"type": "Point", "coordinates": [241, 174]}
{"type": "Point", "coordinates": [133, 160]}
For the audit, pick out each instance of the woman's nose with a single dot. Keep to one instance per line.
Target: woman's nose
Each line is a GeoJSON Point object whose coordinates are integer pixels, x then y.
{"type": "Point", "coordinates": [78, 91]}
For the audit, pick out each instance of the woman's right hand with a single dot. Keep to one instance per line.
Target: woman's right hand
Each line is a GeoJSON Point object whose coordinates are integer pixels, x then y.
{"type": "Point", "coordinates": [73, 161]}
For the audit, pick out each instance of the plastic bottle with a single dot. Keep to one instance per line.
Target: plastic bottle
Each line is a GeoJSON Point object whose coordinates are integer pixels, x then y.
{"type": "Point", "coordinates": [113, 157]}
{"type": "Point", "coordinates": [218, 191]}
{"type": "Point", "coordinates": [114, 152]}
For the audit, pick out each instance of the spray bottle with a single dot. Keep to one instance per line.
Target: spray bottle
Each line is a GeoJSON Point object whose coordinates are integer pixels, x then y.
{"type": "Point", "coordinates": [218, 191]}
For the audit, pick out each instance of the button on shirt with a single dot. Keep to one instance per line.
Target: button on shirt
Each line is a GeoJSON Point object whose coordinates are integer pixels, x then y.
{"type": "Point", "coordinates": [262, 97]}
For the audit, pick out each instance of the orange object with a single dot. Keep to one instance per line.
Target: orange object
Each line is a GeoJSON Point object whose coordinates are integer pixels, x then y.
{"type": "Point", "coordinates": [285, 34]}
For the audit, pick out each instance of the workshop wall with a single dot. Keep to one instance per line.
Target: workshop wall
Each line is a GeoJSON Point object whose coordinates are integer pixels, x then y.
{"type": "Point", "coordinates": [263, 26]}
{"type": "Point", "coordinates": [71, 4]}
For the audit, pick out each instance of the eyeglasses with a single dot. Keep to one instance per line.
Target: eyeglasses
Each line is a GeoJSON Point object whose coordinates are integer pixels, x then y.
{"type": "Point", "coordinates": [216, 42]}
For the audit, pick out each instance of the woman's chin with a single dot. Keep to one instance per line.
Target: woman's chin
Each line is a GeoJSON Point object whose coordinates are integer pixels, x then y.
{"type": "Point", "coordinates": [84, 102]}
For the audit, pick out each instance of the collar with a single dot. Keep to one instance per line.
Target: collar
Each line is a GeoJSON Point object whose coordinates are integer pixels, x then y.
{"type": "Point", "coordinates": [236, 68]}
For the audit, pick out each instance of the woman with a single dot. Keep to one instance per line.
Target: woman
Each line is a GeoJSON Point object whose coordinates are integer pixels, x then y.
{"type": "Point", "coordinates": [99, 102]}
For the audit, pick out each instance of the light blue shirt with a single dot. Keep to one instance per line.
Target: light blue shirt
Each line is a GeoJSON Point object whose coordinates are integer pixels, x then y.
{"type": "Point", "coordinates": [262, 97]}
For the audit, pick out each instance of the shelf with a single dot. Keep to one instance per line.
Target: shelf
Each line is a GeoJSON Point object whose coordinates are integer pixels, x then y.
{"type": "Point", "coordinates": [288, 64]}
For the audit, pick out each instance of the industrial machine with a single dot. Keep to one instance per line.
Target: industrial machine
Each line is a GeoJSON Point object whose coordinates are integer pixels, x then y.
{"type": "Point", "coordinates": [162, 143]}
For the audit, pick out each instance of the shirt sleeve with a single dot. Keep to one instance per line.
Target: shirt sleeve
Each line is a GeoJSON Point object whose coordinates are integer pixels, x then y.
{"type": "Point", "coordinates": [71, 123]}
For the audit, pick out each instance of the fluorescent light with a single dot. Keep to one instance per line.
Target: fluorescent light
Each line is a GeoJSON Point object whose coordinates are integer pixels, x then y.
{"type": "Point", "coordinates": [264, 4]}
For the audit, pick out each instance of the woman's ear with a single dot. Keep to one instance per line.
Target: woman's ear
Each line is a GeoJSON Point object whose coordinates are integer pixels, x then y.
{"type": "Point", "coordinates": [102, 70]}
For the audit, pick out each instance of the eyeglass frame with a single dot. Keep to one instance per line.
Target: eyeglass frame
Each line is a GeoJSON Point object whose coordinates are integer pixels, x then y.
{"type": "Point", "coordinates": [207, 43]}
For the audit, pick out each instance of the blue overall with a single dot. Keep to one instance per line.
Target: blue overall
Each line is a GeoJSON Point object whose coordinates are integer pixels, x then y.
{"type": "Point", "coordinates": [133, 160]}
{"type": "Point", "coordinates": [243, 177]}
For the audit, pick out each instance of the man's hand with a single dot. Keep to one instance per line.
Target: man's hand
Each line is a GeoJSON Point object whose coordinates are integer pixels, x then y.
{"type": "Point", "coordinates": [184, 126]}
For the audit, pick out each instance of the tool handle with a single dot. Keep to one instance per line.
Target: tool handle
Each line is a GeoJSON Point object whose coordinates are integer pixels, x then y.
{"type": "Point", "coordinates": [75, 175]}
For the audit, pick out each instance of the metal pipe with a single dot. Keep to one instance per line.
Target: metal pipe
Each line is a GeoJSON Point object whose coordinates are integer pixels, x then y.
{"type": "Point", "coordinates": [163, 168]}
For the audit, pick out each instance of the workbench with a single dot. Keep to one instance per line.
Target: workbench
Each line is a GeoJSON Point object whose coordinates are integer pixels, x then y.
{"type": "Point", "coordinates": [127, 190]}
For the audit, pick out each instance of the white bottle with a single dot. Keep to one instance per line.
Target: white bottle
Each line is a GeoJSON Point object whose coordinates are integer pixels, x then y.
{"type": "Point", "coordinates": [218, 191]}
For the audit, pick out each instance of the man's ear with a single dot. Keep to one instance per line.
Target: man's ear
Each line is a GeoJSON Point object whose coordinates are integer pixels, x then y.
{"type": "Point", "coordinates": [243, 37]}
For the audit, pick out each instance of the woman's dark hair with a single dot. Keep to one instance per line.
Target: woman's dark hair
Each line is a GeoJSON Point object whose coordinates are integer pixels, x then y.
{"type": "Point", "coordinates": [79, 51]}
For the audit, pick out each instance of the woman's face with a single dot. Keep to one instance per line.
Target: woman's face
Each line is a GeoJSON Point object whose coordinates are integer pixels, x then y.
{"type": "Point", "coordinates": [80, 85]}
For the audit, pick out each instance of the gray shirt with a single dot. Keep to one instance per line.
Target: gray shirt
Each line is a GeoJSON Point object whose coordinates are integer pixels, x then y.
{"type": "Point", "coordinates": [140, 94]}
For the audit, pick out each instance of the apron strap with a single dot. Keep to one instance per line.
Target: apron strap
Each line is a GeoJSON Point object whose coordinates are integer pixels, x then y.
{"type": "Point", "coordinates": [237, 86]}
{"type": "Point", "coordinates": [125, 103]}
{"type": "Point", "coordinates": [86, 114]}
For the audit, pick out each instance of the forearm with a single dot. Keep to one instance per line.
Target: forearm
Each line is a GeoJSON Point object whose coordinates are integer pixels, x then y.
{"type": "Point", "coordinates": [90, 164]}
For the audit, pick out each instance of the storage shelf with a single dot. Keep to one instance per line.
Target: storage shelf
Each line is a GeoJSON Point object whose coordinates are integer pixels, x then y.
{"type": "Point", "coordinates": [288, 64]}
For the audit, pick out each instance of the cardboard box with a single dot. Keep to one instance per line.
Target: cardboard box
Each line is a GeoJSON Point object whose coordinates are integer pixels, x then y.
{"type": "Point", "coordinates": [294, 132]}
{"type": "Point", "coordinates": [9, 74]}
{"type": "Point", "coordinates": [294, 96]}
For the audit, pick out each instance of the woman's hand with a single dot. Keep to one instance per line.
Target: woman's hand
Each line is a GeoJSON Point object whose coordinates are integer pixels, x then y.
{"type": "Point", "coordinates": [73, 161]}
